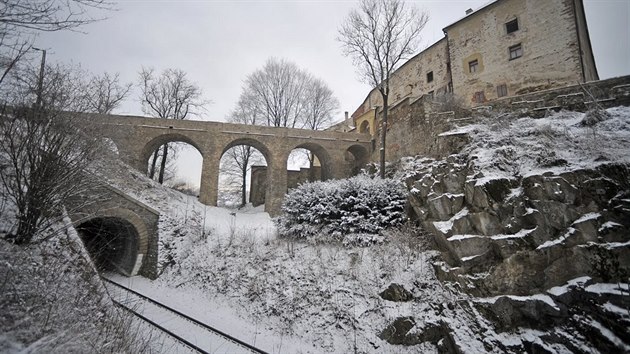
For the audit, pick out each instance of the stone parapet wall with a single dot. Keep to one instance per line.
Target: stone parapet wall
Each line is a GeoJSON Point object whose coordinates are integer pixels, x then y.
{"type": "Point", "coordinates": [580, 97]}
{"type": "Point", "coordinates": [415, 125]}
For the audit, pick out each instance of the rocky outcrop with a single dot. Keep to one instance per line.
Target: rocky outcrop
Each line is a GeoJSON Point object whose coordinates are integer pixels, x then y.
{"type": "Point", "coordinates": [397, 293]}
{"type": "Point", "coordinates": [522, 235]}
{"type": "Point", "coordinates": [405, 331]}
{"type": "Point", "coordinates": [532, 219]}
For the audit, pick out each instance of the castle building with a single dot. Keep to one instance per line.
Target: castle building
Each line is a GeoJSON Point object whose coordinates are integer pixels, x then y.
{"type": "Point", "coordinates": [505, 48]}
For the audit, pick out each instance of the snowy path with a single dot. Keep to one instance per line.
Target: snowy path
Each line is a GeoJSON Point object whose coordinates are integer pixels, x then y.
{"type": "Point", "coordinates": [195, 334]}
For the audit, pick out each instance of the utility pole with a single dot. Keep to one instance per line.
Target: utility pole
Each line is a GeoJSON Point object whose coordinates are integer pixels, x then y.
{"type": "Point", "coordinates": [40, 81]}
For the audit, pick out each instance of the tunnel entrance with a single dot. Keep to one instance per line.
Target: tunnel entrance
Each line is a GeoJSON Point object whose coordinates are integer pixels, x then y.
{"type": "Point", "coordinates": [111, 242]}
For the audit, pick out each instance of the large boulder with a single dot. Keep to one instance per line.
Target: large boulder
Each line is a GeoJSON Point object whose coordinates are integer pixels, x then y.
{"type": "Point", "coordinates": [453, 182]}
{"type": "Point", "coordinates": [469, 245]}
{"type": "Point", "coordinates": [443, 207]}
{"type": "Point", "coordinates": [486, 223]}
{"type": "Point", "coordinates": [396, 332]}
{"type": "Point", "coordinates": [511, 312]}
{"type": "Point", "coordinates": [550, 188]}
{"type": "Point", "coordinates": [555, 214]}
{"type": "Point", "coordinates": [404, 331]}
{"type": "Point", "coordinates": [397, 293]}
{"type": "Point", "coordinates": [476, 195]}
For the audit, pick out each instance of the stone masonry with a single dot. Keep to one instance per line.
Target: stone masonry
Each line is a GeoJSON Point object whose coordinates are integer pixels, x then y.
{"type": "Point", "coordinates": [137, 137]}
{"type": "Point", "coordinates": [140, 255]}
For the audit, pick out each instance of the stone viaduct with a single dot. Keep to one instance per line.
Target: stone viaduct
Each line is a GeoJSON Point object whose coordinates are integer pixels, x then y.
{"type": "Point", "coordinates": [136, 138]}
{"type": "Point", "coordinates": [121, 233]}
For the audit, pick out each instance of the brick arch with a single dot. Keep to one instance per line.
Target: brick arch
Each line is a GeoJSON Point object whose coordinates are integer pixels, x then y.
{"type": "Point", "coordinates": [264, 150]}
{"type": "Point", "coordinates": [138, 224]}
{"type": "Point", "coordinates": [356, 156]}
{"type": "Point", "coordinates": [322, 155]}
{"type": "Point", "coordinates": [160, 140]}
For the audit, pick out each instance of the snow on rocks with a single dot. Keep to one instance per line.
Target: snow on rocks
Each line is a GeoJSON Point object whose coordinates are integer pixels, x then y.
{"type": "Point", "coordinates": [514, 188]}
{"type": "Point", "coordinates": [516, 199]}
{"type": "Point", "coordinates": [543, 203]}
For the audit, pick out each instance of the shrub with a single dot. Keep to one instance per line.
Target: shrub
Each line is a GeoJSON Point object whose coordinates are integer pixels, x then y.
{"type": "Point", "coordinates": [332, 209]}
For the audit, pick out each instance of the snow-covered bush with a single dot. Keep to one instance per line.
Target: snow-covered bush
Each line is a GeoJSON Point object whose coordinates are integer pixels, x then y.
{"type": "Point", "coordinates": [332, 209]}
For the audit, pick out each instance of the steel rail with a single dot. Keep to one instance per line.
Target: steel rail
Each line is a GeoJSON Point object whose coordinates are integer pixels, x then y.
{"type": "Point", "coordinates": [167, 331]}
{"type": "Point", "coordinates": [191, 319]}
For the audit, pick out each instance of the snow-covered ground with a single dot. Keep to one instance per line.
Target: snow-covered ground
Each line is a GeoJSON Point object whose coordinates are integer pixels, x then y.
{"type": "Point", "coordinates": [505, 146]}
{"type": "Point", "coordinates": [279, 295]}
{"type": "Point", "coordinates": [230, 269]}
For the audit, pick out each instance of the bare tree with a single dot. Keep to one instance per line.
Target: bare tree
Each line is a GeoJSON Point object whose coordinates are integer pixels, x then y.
{"type": "Point", "coordinates": [62, 87]}
{"type": "Point", "coordinates": [379, 36]}
{"type": "Point", "coordinates": [43, 157]}
{"type": "Point", "coordinates": [106, 93]}
{"type": "Point", "coordinates": [320, 105]}
{"type": "Point", "coordinates": [280, 94]}
{"type": "Point", "coordinates": [283, 95]}
{"type": "Point", "coordinates": [168, 96]}
{"type": "Point", "coordinates": [240, 158]}
{"type": "Point", "coordinates": [170, 167]}
{"type": "Point", "coordinates": [276, 91]}
{"type": "Point", "coordinates": [20, 20]}
{"type": "Point", "coordinates": [67, 87]}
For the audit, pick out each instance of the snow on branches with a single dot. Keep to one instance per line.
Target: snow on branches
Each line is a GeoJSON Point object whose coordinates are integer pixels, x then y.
{"type": "Point", "coordinates": [329, 210]}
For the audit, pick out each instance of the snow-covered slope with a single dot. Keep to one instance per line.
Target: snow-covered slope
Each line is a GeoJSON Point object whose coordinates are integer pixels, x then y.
{"type": "Point", "coordinates": [229, 268]}
{"type": "Point", "coordinates": [299, 297]}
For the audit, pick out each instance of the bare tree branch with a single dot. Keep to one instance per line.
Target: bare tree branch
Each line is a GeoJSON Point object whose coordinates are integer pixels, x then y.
{"type": "Point", "coordinates": [378, 37]}
{"type": "Point", "coordinates": [281, 95]}
{"type": "Point", "coordinates": [21, 20]}
{"type": "Point", "coordinates": [106, 93]}
{"type": "Point", "coordinates": [168, 96]}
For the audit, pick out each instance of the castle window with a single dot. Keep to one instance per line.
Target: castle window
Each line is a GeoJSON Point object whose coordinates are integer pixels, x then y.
{"type": "Point", "coordinates": [473, 66]}
{"type": "Point", "coordinates": [480, 97]}
{"type": "Point", "coordinates": [430, 76]}
{"type": "Point", "coordinates": [431, 94]}
{"type": "Point", "coordinates": [516, 51]}
{"type": "Point", "coordinates": [512, 26]}
{"type": "Point", "coordinates": [502, 90]}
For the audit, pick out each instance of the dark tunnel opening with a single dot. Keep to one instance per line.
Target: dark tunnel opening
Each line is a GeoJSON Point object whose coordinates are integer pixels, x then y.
{"type": "Point", "coordinates": [111, 242]}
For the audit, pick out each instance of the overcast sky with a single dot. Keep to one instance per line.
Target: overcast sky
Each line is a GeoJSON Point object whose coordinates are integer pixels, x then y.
{"type": "Point", "coordinates": [218, 43]}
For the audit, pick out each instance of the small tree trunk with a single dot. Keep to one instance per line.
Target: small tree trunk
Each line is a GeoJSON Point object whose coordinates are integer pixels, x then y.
{"type": "Point", "coordinates": [27, 224]}
{"type": "Point", "coordinates": [163, 163]}
{"type": "Point", "coordinates": [247, 154]}
{"type": "Point", "coordinates": [153, 163]}
{"type": "Point", "coordinates": [312, 176]}
{"type": "Point", "coordinates": [383, 135]}
{"type": "Point", "coordinates": [244, 187]}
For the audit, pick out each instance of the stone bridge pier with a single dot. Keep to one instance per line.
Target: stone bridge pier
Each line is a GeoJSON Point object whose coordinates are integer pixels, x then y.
{"type": "Point", "coordinates": [136, 138]}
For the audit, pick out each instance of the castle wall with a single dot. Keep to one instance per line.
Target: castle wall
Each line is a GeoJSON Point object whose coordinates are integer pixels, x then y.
{"type": "Point", "coordinates": [549, 54]}
{"type": "Point", "coordinates": [586, 51]}
{"type": "Point", "coordinates": [412, 79]}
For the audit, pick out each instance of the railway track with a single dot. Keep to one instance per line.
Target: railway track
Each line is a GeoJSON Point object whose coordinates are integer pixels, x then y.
{"type": "Point", "coordinates": [212, 335]}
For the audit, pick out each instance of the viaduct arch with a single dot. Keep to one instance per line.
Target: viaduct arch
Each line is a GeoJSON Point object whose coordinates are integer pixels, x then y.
{"type": "Point", "coordinates": [340, 154]}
